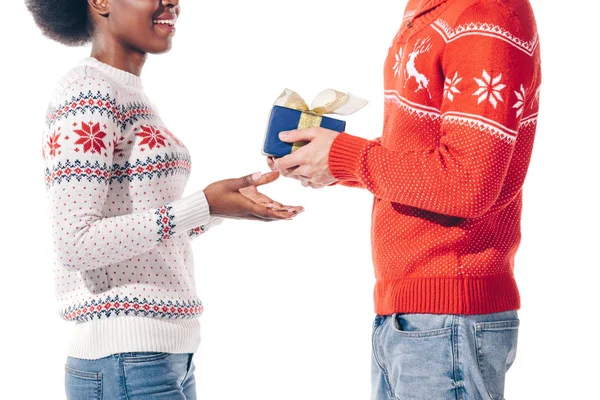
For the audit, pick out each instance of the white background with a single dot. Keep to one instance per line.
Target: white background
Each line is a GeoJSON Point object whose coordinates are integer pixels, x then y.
{"type": "Point", "coordinates": [289, 305]}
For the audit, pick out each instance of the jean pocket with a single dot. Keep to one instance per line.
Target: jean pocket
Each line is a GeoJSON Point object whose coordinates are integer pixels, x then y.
{"type": "Point", "coordinates": [143, 357]}
{"type": "Point", "coordinates": [154, 375]}
{"type": "Point", "coordinates": [398, 328]}
{"type": "Point", "coordinates": [419, 355]}
{"type": "Point", "coordinates": [496, 351]}
{"type": "Point", "coordinates": [82, 385]}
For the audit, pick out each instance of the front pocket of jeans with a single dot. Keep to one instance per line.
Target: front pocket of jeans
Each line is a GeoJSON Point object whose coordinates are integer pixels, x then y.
{"type": "Point", "coordinates": [80, 385]}
{"type": "Point", "coordinates": [143, 357]}
{"type": "Point", "coordinates": [496, 351]}
{"type": "Point", "coordinates": [419, 333]}
{"type": "Point", "coordinates": [420, 362]}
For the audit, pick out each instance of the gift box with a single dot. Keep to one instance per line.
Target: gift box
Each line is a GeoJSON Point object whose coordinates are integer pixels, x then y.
{"type": "Point", "coordinates": [287, 119]}
{"type": "Point", "coordinates": [291, 112]}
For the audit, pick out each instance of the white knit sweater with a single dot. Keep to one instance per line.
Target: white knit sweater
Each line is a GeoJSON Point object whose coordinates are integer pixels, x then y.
{"type": "Point", "coordinates": [115, 176]}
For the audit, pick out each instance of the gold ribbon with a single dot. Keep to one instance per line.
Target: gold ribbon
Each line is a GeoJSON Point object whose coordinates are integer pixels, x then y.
{"type": "Point", "coordinates": [327, 102]}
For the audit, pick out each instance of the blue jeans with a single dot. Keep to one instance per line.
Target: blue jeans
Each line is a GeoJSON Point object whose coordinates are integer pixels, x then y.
{"type": "Point", "coordinates": [131, 376]}
{"type": "Point", "coordinates": [442, 357]}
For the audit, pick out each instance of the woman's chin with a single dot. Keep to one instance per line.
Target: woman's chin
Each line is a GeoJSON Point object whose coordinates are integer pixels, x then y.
{"type": "Point", "coordinates": [160, 49]}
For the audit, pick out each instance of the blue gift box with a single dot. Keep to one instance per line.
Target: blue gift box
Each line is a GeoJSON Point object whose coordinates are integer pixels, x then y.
{"type": "Point", "coordinates": [287, 119]}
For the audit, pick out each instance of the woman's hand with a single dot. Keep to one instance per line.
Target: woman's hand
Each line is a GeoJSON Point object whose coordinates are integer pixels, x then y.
{"type": "Point", "coordinates": [240, 199]}
{"type": "Point", "coordinates": [253, 194]}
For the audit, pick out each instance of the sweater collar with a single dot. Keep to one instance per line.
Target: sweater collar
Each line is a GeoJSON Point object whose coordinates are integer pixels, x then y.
{"type": "Point", "coordinates": [119, 75]}
{"type": "Point", "coordinates": [426, 5]}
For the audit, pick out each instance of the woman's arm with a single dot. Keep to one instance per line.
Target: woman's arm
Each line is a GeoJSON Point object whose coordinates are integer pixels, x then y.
{"type": "Point", "coordinates": [79, 148]}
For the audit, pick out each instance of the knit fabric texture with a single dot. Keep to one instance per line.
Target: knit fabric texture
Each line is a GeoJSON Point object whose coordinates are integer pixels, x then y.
{"type": "Point", "coordinates": [462, 85]}
{"type": "Point", "coordinates": [121, 228]}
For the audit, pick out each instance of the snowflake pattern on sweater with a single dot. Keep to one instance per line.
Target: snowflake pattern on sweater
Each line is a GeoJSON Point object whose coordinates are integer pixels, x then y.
{"type": "Point", "coordinates": [115, 177]}
{"type": "Point", "coordinates": [462, 83]}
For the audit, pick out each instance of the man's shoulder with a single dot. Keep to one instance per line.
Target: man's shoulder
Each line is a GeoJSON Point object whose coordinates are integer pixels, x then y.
{"type": "Point", "coordinates": [489, 9]}
{"type": "Point", "coordinates": [496, 16]}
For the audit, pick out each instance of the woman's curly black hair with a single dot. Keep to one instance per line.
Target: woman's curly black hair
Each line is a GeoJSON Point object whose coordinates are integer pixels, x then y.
{"type": "Point", "coordinates": [66, 21]}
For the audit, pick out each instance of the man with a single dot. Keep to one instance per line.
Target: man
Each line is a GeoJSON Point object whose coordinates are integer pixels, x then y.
{"type": "Point", "coordinates": [462, 83]}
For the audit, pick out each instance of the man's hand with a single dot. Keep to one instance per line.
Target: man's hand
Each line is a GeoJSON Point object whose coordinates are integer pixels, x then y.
{"type": "Point", "coordinates": [239, 199]}
{"type": "Point", "coordinates": [309, 164]}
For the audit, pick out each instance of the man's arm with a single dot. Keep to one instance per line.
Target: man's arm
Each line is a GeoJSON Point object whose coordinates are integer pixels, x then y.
{"type": "Point", "coordinates": [464, 174]}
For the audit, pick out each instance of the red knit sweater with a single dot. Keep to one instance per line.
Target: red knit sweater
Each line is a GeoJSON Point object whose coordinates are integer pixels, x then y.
{"type": "Point", "coordinates": [462, 83]}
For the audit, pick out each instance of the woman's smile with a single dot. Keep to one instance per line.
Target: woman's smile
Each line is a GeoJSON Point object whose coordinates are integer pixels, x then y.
{"type": "Point", "coordinates": [166, 23]}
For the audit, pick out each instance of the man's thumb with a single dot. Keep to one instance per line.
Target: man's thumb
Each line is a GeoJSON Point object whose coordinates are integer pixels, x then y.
{"type": "Point", "coordinates": [297, 135]}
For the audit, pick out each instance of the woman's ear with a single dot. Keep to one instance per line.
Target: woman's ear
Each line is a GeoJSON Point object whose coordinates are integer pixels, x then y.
{"type": "Point", "coordinates": [99, 6]}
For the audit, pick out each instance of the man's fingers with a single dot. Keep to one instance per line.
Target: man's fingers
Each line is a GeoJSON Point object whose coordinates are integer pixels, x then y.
{"type": "Point", "coordinates": [304, 172]}
{"type": "Point", "coordinates": [271, 163]}
{"type": "Point", "coordinates": [288, 173]}
{"type": "Point", "coordinates": [298, 135]}
{"type": "Point", "coordinates": [293, 160]}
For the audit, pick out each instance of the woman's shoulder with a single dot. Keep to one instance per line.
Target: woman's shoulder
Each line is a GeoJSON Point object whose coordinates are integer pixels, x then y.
{"type": "Point", "coordinates": [84, 79]}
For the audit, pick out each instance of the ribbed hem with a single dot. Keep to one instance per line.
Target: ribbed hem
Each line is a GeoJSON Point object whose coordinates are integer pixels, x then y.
{"type": "Point", "coordinates": [466, 296]}
{"type": "Point", "coordinates": [345, 155]}
{"type": "Point", "coordinates": [191, 211]}
{"type": "Point", "coordinates": [124, 77]}
{"type": "Point", "coordinates": [101, 338]}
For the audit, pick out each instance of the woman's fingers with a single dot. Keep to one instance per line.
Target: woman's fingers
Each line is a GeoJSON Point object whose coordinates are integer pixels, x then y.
{"type": "Point", "coordinates": [266, 212]}
{"type": "Point", "coordinates": [239, 199]}
{"type": "Point", "coordinates": [266, 201]}
{"type": "Point", "coordinates": [255, 179]}
{"type": "Point", "coordinates": [267, 178]}
{"type": "Point", "coordinates": [275, 205]}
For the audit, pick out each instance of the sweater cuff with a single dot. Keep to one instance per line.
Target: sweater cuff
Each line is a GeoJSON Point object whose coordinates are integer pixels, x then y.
{"type": "Point", "coordinates": [344, 156]}
{"type": "Point", "coordinates": [213, 221]}
{"type": "Point", "coordinates": [191, 211]}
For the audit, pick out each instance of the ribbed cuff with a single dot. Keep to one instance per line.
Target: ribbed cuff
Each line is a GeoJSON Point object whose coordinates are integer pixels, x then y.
{"type": "Point", "coordinates": [191, 211]}
{"type": "Point", "coordinates": [344, 157]}
{"type": "Point", "coordinates": [213, 221]}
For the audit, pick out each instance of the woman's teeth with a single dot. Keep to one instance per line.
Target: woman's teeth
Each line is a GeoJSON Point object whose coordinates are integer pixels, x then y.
{"type": "Point", "coordinates": [170, 22]}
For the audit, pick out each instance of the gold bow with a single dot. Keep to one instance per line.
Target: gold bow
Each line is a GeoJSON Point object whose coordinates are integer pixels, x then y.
{"type": "Point", "coordinates": [327, 102]}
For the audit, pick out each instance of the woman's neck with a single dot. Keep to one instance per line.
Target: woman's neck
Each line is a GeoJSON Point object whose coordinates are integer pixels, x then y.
{"type": "Point", "coordinates": [118, 56]}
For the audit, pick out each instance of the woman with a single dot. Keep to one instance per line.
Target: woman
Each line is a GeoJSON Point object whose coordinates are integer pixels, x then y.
{"type": "Point", "coordinates": [115, 176]}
